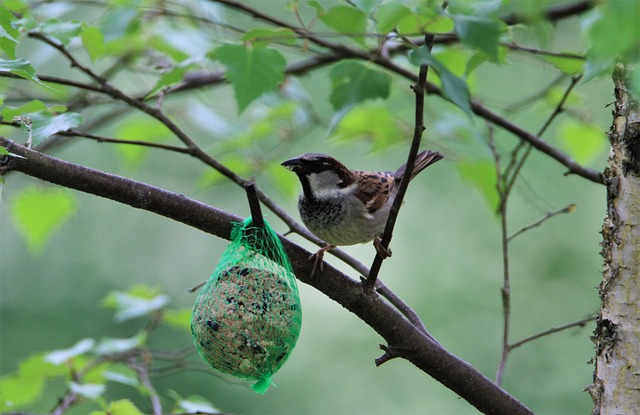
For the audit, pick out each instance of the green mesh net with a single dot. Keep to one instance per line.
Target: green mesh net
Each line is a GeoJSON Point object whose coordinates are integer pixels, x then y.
{"type": "Point", "coordinates": [247, 318]}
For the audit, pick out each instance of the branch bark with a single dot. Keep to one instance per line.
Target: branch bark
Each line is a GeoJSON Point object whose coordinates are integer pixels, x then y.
{"type": "Point", "coordinates": [407, 341]}
{"type": "Point", "coordinates": [616, 387]}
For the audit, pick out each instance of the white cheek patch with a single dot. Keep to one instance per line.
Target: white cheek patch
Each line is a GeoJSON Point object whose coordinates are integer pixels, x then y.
{"type": "Point", "coordinates": [325, 185]}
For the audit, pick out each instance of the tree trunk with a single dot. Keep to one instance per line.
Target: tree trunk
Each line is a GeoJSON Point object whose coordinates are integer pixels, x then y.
{"type": "Point", "coordinates": [616, 386]}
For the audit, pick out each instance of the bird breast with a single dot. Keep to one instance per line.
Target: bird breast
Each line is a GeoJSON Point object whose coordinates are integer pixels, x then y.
{"type": "Point", "coordinates": [342, 219]}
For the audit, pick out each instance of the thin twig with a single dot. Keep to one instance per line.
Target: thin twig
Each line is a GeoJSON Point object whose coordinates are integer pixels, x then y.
{"type": "Point", "coordinates": [534, 51]}
{"type": "Point", "coordinates": [567, 209]}
{"type": "Point", "coordinates": [142, 369]}
{"type": "Point", "coordinates": [505, 183]}
{"type": "Point", "coordinates": [419, 90]}
{"type": "Point", "coordinates": [103, 139]}
{"type": "Point", "coordinates": [552, 330]}
{"type": "Point", "coordinates": [68, 400]}
{"type": "Point", "coordinates": [559, 108]}
{"type": "Point", "coordinates": [505, 291]}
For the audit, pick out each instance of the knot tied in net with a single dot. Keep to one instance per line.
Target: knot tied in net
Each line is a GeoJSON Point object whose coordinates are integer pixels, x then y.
{"type": "Point", "coordinates": [247, 318]}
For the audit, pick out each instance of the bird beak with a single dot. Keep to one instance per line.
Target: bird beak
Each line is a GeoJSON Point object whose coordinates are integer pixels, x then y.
{"type": "Point", "coordinates": [291, 164]}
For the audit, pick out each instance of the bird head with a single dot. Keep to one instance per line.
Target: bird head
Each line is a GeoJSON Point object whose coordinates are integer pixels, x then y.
{"type": "Point", "coordinates": [321, 175]}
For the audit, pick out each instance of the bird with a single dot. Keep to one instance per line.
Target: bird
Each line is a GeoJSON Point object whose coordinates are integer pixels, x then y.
{"type": "Point", "coordinates": [347, 207]}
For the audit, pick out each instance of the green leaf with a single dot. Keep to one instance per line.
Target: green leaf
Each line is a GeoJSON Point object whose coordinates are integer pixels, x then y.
{"type": "Point", "coordinates": [121, 23]}
{"type": "Point", "coordinates": [18, 6]}
{"type": "Point", "coordinates": [389, 15]}
{"type": "Point", "coordinates": [93, 42]}
{"type": "Point", "coordinates": [614, 36]}
{"type": "Point", "coordinates": [482, 175]}
{"type": "Point", "coordinates": [566, 64]}
{"type": "Point", "coordinates": [454, 89]}
{"type": "Point", "coordinates": [353, 82]}
{"type": "Point", "coordinates": [372, 121]}
{"type": "Point", "coordinates": [584, 142]}
{"type": "Point", "coordinates": [122, 374]}
{"type": "Point", "coordinates": [21, 68]}
{"type": "Point", "coordinates": [37, 367]}
{"type": "Point", "coordinates": [480, 33]}
{"type": "Point", "coordinates": [16, 392]}
{"type": "Point", "coordinates": [110, 345]}
{"type": "Point", "coordinates": [121, 407]}
{"type": "Point", "coordinates": [252, 71]}
{"type": "Point", "coordinates": [88, 390]}
{"type": "Point", "coordinates": [135, 303]}
{"type": "Point", "coordinates": [8, 34]}
{"type": "Point", "coordinates": [9, 113]}
{"type": "Point", "coordinates": [58, 357]}
{"type": "Point", "coordinates": [347, 20]}
{"type": "Point", "coordinates": [367, 6]}
{"type": "Point", "coordinates": [27, 385]}
{"type": "Point", "coordinates": [38, 212]}
{"type": "Point", "coordinates": [483, 8]}
{"type": "Point", "coordinates": [425, 20]}
{"type": "Point", "coordinates": [62, 31]}
{"type": "Point", "coordinates": [262, 37]}
{"type": "Point", "coordinates": [179, 319]}
{"type": "Point", "coordinates": [45, 124]}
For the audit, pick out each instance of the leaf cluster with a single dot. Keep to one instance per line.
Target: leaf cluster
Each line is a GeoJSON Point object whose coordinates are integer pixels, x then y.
{"type": "Point", "coordinates": [89, 369]}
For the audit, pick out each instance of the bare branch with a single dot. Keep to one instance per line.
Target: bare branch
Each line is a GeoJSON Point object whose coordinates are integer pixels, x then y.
{"type": "Point", "coordinates": [103, 139]}
{"type": "Point", "coordinates": [552, 330]}
{"type": "Point", "coordinates": [419, 90]}
{"type": "Point", "coordinates": [505, 291]}
{"type": "Point", "coordinates": [418, 348]}
{"type": "Point", "coordinates": [517, 164]}
{"type": "Point", "coordinates": [142, 370]}
{"type": "Point", "coordinates": [567, 209]}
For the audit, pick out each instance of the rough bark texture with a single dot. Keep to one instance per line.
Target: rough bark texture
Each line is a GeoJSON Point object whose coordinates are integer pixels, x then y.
{"type": "Point", "coordinates": [616, 387]}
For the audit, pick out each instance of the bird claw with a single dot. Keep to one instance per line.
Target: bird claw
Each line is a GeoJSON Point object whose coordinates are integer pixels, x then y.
{"type": "Point", "coordinates": [382, 250]}
{"type": "Point", "coordinates": [318, 259]}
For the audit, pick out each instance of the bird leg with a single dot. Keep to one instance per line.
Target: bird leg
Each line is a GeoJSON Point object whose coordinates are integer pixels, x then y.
{"type": "Point", "coordinates": [382, 250]}
{"type": "Point", "coordinates": [318, 261]}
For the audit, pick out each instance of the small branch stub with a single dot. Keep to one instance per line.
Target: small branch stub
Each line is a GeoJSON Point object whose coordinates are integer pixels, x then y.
{"type": "Point", "coordinates": [390, 353]}
{"type": "Point", "coordinates": [254, 204]}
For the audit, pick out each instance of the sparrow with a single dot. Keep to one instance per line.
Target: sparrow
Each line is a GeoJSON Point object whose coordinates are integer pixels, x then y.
{"type": "Point", "coordinates": [347, 207]}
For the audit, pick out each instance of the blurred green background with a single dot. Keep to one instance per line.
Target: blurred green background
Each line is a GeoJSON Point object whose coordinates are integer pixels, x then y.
{"type": "Point", "coordinates": [447, 261]}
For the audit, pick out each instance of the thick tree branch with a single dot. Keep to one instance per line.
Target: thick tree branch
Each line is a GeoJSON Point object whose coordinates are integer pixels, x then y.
{"type": "Point", "coordinates": [398, 332]}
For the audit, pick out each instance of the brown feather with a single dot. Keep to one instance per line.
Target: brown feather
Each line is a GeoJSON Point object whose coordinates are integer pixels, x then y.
{"type": "Point", "coordinates": [423, 160]}
{"type": "Point", "coordinates": [374, 188]}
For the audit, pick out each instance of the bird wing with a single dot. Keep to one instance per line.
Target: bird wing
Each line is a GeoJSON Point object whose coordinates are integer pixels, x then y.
{"type": "Point", "coordinates": [373, 189]}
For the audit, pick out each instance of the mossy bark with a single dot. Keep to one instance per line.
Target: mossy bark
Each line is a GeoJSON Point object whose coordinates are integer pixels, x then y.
{"type": "Point", "coordinates": [616, 386]}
